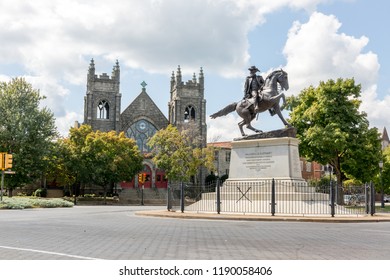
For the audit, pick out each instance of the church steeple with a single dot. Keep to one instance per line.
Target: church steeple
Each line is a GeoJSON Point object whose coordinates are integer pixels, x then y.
{"type": "Point", "coordinates": [116, 71]}
{"type": "Point", "coordinates": [178, 76]}
{"type": "Point", "coordinates": [91, 70]}
{"type": "Point", "coordinates": [385, 139]}
{"type": "Point", "coordinates": [201, 78]}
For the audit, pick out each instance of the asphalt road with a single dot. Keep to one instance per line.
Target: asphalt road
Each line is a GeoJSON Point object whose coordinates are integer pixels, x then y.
{"type": "Point", "coordinates": [116, 233]}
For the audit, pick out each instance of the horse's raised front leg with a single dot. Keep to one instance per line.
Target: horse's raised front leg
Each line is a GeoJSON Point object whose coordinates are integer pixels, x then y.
{"type": "Point", "coordinates": [284, 102]}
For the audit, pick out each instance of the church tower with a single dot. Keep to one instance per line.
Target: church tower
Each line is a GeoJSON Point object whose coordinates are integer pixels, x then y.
{"type": "Point", "coordinates": [187, 106]}
{"type": "Point", "coordinates": [187, 111]}
{"type": "Point", "coordinates": [102, 103]}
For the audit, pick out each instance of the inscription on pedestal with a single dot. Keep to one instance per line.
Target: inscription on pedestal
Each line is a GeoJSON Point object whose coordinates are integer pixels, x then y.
{"type": "Point", "coordinates": [265, 158]}
{"type": "Point", "coordinates": [258, 161]}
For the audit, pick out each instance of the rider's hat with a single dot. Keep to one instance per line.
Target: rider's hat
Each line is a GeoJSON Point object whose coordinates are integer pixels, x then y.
{"type": "Point", "coordinates": [253, 68]}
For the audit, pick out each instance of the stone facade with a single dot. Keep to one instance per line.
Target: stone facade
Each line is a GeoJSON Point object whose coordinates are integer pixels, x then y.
{"type": "Point", "coordinates": [187, 106]}
{"type": "Point", "coordinates": [102, 103]}
{"type": "Point", "coordinates": [187, 110]}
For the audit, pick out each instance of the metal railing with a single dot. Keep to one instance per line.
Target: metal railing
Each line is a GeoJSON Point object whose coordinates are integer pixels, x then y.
{"type": "Point", "coordinates": [272, 197]}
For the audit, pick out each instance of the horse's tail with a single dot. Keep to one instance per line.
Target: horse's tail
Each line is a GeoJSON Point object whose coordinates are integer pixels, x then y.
{"type": "Point", "coordinates": [228, 109]}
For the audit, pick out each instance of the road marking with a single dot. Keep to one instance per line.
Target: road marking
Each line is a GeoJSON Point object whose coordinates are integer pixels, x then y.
{"type": "Point", "coordinates": [48, 252]}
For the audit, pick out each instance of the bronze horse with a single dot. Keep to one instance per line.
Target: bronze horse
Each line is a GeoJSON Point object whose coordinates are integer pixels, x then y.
{"type": "Point", "coordinates": [270, 98]}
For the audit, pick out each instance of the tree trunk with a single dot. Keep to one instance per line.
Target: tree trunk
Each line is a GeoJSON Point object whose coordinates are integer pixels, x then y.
{"type": "Point", "coordinates": [339, 186]}
{"type": "Point", "coordinates": [105, 194]}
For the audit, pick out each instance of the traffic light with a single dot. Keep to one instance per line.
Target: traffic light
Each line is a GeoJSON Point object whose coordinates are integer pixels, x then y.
{"type": "Point", "coordinates": [2, 158]}
{"type": "Point", "coordinates": [141, 178]}
{"type": "Point", "coordinates": [8, 161]}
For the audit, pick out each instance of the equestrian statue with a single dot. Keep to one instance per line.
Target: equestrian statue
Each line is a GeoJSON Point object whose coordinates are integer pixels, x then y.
{"type": "Point", "coordinates": [260, 95]}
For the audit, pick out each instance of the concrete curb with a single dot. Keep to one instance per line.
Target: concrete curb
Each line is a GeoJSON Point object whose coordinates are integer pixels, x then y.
{"type": "Point", "coordinates": [236, 217]}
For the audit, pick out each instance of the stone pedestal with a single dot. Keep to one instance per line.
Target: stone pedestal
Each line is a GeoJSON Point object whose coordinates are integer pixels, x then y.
{"type": "Point", "coordinates": [264, 159]}
{"type": "Point", "coordinates": [255, 162]}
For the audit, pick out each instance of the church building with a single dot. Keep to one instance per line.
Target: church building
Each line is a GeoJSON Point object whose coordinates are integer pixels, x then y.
{"type": "Point", "coordinates": [142, 118]}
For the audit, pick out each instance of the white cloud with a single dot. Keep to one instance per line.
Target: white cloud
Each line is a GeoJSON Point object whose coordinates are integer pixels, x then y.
{"type": "Point", "coordinates": [53, 40]}
{"type": "Point", "coordinates": [54, 37]}
{"type": "Point", "coordinates": [317, 51]}
{"type": "Point", "coordinates": [223, 128]}
{"type": "Point", "coordinates": [54, 93]}
{"type": "Point", "coordinates": [66, 122]}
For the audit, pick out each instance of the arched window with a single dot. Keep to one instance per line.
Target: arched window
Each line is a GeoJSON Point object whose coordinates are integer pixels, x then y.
{"type": "Point", "coordinates": [103, 110]}
{"type": "Point", "coordinates": [189, 114]}
{"type": "Point", "coordinates": [141, 131]}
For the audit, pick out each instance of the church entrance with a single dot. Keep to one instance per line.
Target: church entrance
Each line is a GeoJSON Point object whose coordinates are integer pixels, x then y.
{"type": "Point", "coordinates": [161, 180]}
{"type": "Point", "coordinates": [148, 177]}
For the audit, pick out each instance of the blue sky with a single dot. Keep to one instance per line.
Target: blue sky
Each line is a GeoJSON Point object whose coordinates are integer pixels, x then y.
{"type": "Point", "coordinates": [51, 42]}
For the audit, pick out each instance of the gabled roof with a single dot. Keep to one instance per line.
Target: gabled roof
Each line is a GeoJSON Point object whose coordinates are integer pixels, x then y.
{"type": "Point", "coordinates": [143, 107]}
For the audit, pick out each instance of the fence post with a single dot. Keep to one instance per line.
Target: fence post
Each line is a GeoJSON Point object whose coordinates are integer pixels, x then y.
{"type": "Point", "coordinates": [366, 188]}
{"type": "Point", "coordinates": [142, 195]}
{"type": "Point", "coordinates": [218, 197]}
{"type": "Point", "coordinates": [182, 197]}
{"type": "Point", "coordinates": [273, 197]}
{"type": "Point", "coordinates": [332, 198]}
{"type": "Point", "coordinates": [372, 199]}
{"type": "Point", "coordinates": [169, 202]}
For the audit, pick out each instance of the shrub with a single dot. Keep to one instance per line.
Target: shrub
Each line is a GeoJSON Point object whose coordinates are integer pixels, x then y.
{"type": "Point", "coordinates": [32, 202]}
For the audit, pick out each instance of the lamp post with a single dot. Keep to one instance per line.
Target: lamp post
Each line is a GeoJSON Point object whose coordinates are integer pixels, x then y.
{"type": "Point", "coordinates": [382, 191]}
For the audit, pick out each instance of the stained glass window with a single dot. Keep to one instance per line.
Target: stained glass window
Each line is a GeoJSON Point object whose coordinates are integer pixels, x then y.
{"type": "Point", "coordinates": [141, 131]}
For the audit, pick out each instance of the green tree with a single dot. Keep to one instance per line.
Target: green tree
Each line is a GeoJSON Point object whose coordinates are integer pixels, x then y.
{"type": "Point", "coordinates": [62, 168]}
{"type": "Point", "coordinates": [26, 131]}
{"type": "Point", "coordinates": [177, 154]}
{"type": "Point", "coordinates": [332, 130]}
{"type": "Point", "coordinates": [111, 158]}
{"type": "Point", "coordinates": [100, 158]}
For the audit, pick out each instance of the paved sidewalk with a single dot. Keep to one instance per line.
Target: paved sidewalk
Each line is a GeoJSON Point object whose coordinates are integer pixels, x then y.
{"type": "Point", "coordinates": [380, 217]}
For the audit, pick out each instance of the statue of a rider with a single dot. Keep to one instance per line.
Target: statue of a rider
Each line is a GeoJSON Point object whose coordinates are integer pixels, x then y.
{"type": "Point", "coordinates": [253, 86]}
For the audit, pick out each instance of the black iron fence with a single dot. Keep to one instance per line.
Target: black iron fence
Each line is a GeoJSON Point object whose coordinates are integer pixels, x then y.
{"type": "Point", "coordinates": [274, 197]}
